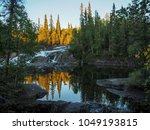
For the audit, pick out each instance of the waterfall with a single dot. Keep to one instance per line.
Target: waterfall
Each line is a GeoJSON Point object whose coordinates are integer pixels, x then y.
{"type": "Point", "coordinates": [56, 58]}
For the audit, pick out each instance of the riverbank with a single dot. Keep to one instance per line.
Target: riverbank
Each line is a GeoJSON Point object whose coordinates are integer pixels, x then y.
{"type": "Point", "coordinates": [28, 102]}
{"type": "Point", "coordinates": [114, 63]}
{"type": "Point", "coordinates": [119, 87]}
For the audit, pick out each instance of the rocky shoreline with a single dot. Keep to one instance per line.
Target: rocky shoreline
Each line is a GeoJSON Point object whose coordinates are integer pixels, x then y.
{"type": "Point", "coordinates": [119, 87]}
{"type": "Point", "coordinates": [28, 103]}
{"type": "Point", "coordinates": [113, 63]}
{"type": "Point", "coordinates": [56, 107]}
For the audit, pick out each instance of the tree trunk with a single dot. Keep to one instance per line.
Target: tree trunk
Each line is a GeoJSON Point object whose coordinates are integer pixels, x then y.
{"type": "Point", "coordinates": [7, 65]}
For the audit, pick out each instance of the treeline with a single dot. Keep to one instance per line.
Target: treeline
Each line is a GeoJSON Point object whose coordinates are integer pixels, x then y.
{"type": "Point", "coordinates": [125, 33]}
{"type": "Point", "coordinates": [54, 35]}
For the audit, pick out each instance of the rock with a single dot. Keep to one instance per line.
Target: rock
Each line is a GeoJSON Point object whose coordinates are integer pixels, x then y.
{"type": "Point", "coordinates": [135, 94]}
{"type": "Point", "coordinates": [94, 108]}
{"type": "Point", "coordinates": [73, 108]}
{"type": "Point", "coordinates": [41, 64]}
{"type": "Point", "coordinates": [113, 83]}
{"type": "Point", "coordinates": [40, 59]}
{"type": "Point", "coordinates": [117, 87]}
{"type": "Point", "coordinates": [59, 107]}
{"type": "Point", "coordinates": [113, 63]}
{"type": "Point", "coordinates": [34, 91]}
{"type": "Point", "coordinates": [118, 92]}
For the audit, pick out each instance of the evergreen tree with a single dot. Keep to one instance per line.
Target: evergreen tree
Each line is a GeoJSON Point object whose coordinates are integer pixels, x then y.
{"type": "Point", "coordinates": [46, 31]}
{"type": "Point", "coordinates": [58, 31]}
{"type": "Point", "coordinates": [18, 33]}
{"type": "Point", "coordinates": [90, 29]}
{"type": "Point", "coordinates": [41, 35]}
{"type": "Point", "coordinates": [145, 25]}
{"type": "Point", "coordinates": [43, 32]}
{"type": "Point", "coordinates": [134, 31]}
{"type": "Point", "coordinates": [112, 45]}
{"type": "Point", "coordinates": [52, 30]}
{"type": "Point", "coordinates": [97, 34]}
{"type": "Point", "coordinates": [39, 23]}
{"type": "Point", "coordinates": [39, 27]}
{"type": "Point", "coordinates": [123, 31]}
{"type": "Point", "coordinates": [82, 15]}
{"type": "Point", "coordinates": [66, 35]}
{"type": "Point", "coordinates": [54, 37]}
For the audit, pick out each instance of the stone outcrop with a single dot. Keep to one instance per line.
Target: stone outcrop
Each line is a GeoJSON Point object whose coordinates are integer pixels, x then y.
{"type": "Point", "coordinates": [118, 87]}
{"type": "Point", "coordinates": [118, 83]}
{"type": "Point", "coordinates": [113, 63]}
{"type": "Point", "coordinates": [33, 91]}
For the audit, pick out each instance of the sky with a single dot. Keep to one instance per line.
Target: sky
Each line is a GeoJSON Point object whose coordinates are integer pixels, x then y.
{"type": "Point", "coordinates": [68, 10]}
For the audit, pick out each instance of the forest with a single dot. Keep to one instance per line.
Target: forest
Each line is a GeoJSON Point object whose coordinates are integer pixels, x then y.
{"type": "Point", "coordinates": [122, 36]}
{"type": "Point", "coordinates": [54, 35]}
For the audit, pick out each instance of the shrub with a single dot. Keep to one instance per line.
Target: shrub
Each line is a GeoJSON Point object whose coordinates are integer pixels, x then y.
{"type": "Point", "coordinates": [136, 79]}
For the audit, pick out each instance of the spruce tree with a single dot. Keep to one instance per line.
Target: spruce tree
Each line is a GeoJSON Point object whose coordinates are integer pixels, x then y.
{"type": "Point", "coordinates": [52, 30]}
{"type": "Point", "coordinates": [18, 34]}
{"type": "Point", "coordinates": [46, 31]}
{"type": "Point", "coordinates": [58, 31]}
{"type": "Point", "coordinates": [113, 28]}
{"type": "Point", "coordinates": [82, 15]}
{"type": "Point", "coordinates": [97, 35]}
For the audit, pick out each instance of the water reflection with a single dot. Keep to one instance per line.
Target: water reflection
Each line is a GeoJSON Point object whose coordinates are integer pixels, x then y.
{"type": "Point", "coordinates": [55, 83]}
{"type": "Point", "coordinates": [80, 86]}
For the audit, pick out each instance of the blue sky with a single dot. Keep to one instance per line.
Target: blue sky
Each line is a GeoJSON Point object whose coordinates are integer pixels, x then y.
{"type": "Point", "coordinates": [68, 10]}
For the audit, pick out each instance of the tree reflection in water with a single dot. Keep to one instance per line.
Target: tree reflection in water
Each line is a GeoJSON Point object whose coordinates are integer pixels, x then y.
{"type": "Point", "coordinates": [80, 85]}
{"type": "Point", "coordinates": [50, 81]}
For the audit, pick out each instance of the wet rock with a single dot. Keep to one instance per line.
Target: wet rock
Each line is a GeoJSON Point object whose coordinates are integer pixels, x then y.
{"type": "Point", "coordinates": [118, 87]}
{"type": "Point", "coordinates": [58, 107]}
{"type": "Point", "coordinates": [34, 91]}
{"type": "Point", "coordinates": [113, 83]}
{"type": "Point", "coordinates": [73, 108]}
{"type": "Point", "coordinates": [137, 95]}
{"type": "Point", "coordinates": [51, 106]}
{"type": "Point", "coordinates": [41, 65]}
{"type": "Point", "coordinates": [40, 59]}
{"type": "Point", "coordinates": [118, 92]}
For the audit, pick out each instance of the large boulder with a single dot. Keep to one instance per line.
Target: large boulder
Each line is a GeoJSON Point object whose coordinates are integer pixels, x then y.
{"type": "Point", "coordinates": [118, 87]}
{"type": "Point", "coordinates": [137, 95]}
{"type": "Point", "coordinates": [34, 91]}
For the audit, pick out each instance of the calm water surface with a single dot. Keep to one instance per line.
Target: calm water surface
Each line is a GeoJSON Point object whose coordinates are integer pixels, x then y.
{"type": "Point", "coordinates": [80, 85]}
